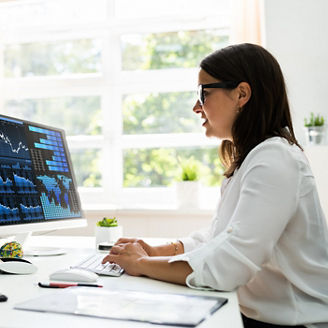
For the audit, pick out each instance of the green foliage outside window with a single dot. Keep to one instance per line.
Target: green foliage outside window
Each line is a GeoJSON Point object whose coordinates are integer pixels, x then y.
{"type": "Point", "coordinates": [183, 49]}
{"type": "Point", "coordinates": [151, 113]}
{"type": "Point", "coordinates": [86, 165]}
{"type": "Point", "coordinates": [160, 166]}
{"type": "Point", "coordinates": [56, 58]}
{"type": "Point", "coordinates": [169, 112]}
{"type": "Point", "coordinates": [166, 112]}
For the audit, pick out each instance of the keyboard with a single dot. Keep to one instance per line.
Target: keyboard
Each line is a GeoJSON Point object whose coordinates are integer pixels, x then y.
{"type": "Point", "coordinates": [93, 263]}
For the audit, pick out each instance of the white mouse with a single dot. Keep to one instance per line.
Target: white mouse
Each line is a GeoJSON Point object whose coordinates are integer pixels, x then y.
{"type": "Point", "coordinates": [74, 275]}
{"type": "Point", "coordinates": [16, 265]}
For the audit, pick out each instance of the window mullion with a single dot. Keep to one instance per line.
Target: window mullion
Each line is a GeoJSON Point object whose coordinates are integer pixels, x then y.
{"type": "Point", "coordinates": [112, 117]}
{"type": "Point", "coordinates": [162, 80]}
{"type": "Point", "coordinates": [45, 87]}
{"type": "Point", "coordinates": [167, 140]}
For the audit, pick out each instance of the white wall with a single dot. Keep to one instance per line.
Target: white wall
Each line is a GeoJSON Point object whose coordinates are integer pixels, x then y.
{"type": "Point", "coordinates": [296, 34]}
{"type": "Point", "coordinates": [146, 222]}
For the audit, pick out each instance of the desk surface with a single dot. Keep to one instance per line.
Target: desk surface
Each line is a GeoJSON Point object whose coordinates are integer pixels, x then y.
{"type": "Point", "coordinates": [21, 288]}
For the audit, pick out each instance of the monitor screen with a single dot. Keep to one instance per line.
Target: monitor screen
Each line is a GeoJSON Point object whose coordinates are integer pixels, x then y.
{"type": "Point", "coordinates": [37, 182]}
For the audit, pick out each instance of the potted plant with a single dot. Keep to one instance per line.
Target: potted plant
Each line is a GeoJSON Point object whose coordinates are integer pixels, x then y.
{"type": "Point", "coordinates": [108, 231]}
{"type": "Point", "coordinates": [315, 129]}
{"type": "Point", "coordinates": [188, 186]}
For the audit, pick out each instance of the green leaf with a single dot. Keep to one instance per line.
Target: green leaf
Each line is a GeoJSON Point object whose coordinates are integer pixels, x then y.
{"type": "Point", "coordinates": [314, 120]}
{"type": "Point", "coordinates": [189, 169]}
{"type": "Point", "coordinates": [107, 222]}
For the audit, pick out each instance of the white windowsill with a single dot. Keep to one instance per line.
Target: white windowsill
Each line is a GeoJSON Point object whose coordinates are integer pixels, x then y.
{"type": "Point", "coordinates": [153, 211]}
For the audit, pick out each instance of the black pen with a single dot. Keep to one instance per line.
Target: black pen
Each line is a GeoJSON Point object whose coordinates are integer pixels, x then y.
{"type": "Point", "coordinates": [64, 285]}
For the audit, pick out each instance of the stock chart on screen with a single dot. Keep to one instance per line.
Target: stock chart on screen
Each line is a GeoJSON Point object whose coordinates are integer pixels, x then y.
{"type": "Point", "coordinates": [36, 183]}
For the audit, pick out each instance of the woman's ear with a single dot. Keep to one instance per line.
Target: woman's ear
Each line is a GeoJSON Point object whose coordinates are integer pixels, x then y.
{"type": "Point", "coordinates": [244, 93]}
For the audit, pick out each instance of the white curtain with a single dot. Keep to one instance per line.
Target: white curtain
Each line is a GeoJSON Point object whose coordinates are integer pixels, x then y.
{"type": "Point", "coordinates": [246, 22]}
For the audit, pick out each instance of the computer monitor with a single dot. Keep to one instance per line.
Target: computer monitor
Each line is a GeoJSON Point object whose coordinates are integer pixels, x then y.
{"type": "Point", "coordinates": [37, 183]}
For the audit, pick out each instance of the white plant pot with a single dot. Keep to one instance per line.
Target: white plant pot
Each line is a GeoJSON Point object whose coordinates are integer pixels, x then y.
{"type": "Point", "coordinates": [188, 194]}
{"type": "Point", "coordinates": [108, 234]}
{"type": "Point", "coordinates": [315, 135]}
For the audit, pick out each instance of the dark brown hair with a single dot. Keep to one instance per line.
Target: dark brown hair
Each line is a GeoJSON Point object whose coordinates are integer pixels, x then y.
{"type": "Point", "coordinates": [266, 114]}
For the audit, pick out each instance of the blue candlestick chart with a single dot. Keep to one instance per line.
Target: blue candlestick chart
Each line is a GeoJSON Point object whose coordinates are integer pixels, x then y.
{"type": "Point", "coordinates": [9, 211]}
{"type": "Point", "coordinates": [33, 210]}
{"type": "Point", "coordinates": [6, 185]}
{"type": "Point", "coordinates": [19, 173]}
{"type": "Point", "coordinates": [27, 208]}
{"type": "Point", "coordinates": [58, 197]}
{"type": "Point", "coordinates": [24, 185]}
{"type": "Point", "coordinates": [12, 141]}
{"type": "Point", "coordinates": [19, 198]}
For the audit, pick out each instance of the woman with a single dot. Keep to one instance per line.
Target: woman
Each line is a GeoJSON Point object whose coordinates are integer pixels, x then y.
{"type": "Point", "coordinates": [268, 239]}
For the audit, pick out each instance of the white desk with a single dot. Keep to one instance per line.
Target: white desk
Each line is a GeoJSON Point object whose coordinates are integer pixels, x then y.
{"type": "Point", "coordinates": [20, 288]}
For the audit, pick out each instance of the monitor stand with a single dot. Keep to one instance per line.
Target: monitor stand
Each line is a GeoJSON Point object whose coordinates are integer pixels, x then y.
{"type": "Point", "coordinates": [28, 250]}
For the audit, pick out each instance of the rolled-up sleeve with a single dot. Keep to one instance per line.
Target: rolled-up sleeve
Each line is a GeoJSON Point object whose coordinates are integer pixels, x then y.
{"type": "Point", "coordinates": [195, 240]}
{"type": "Point", "coordinates": [267, 200]}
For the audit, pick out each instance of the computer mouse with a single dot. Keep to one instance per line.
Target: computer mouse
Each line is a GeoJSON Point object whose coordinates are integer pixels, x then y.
{"type": "Point", "coordinates": [74, 274]}
{"type": "Point", "coordinates": [16, 265]}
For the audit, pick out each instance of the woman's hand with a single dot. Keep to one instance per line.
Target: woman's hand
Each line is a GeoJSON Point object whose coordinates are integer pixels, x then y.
{"type": "Point", "coordinates": [127, 255]}
{"type": "Point", "coordinates": [131, 255]}
{"type": "Point", "coordinates": [151, 251]}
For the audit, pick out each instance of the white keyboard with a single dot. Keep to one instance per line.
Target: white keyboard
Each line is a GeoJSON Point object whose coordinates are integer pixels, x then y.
{"type": "Point", "coordinates": [93, 263]}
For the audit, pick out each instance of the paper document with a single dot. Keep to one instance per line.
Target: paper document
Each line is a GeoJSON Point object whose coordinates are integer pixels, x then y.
{"type": "Point", "coordinates": [171, 309]}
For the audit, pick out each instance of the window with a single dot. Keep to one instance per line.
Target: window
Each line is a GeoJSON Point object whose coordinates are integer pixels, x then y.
{"type": "Point", "coordinates": [120, 77]}
{"type": "Point", "coordinates": [52, 58]}
{"type": "Point", "coordinates": [181, 49]}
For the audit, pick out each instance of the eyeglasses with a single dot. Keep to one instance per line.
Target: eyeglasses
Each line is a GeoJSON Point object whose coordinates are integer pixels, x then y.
{"type": "Point", "coordinates": [221, 85]}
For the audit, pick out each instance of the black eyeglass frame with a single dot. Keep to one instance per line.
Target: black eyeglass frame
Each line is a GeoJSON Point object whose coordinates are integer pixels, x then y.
{"type": "Point", "coordinates": [220, 85]}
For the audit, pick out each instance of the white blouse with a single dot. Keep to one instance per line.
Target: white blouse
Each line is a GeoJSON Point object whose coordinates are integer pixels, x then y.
{"type": "Point", "coordinates": [268, 240]}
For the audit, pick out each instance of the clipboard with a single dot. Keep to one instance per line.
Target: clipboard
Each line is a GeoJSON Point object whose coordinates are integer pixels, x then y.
{"type": "Point", "coordinates": [171, 309]}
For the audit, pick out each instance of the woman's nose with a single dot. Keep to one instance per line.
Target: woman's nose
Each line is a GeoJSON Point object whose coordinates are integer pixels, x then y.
{"type": "Point", "coordinates": [197, 107]}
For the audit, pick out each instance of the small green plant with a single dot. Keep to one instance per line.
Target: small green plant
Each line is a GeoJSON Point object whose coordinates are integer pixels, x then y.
{"type": "Point", "coordinates": [189, 169]}
{"type": "Point", "coordinates": [315, 120]}
{"type": "Point", "coordinates": [106, 222]}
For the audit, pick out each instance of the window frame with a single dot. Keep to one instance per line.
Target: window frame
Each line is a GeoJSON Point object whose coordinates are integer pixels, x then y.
{"type": "Point", "coordinates": [111, 84]}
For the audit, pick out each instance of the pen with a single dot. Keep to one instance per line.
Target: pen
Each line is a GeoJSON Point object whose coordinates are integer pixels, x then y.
{"type": "Point", "coordinates": [63, 285]}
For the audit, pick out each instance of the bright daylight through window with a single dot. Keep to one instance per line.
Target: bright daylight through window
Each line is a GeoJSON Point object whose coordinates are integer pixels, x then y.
{"type": "Point", "coordinates": [120, 76]}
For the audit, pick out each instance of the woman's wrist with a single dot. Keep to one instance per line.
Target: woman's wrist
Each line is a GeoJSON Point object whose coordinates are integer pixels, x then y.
{"type": "Point", "coordinates": [175, 248]}
{"type": "Point", "coordinates": [160, 268]}
{"type": "Point", "coordinates": [170, 249]}
{"type": "Point", "coordinates": [141, 265]}
{"type": "Point", "coordinates": [162, 250]}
